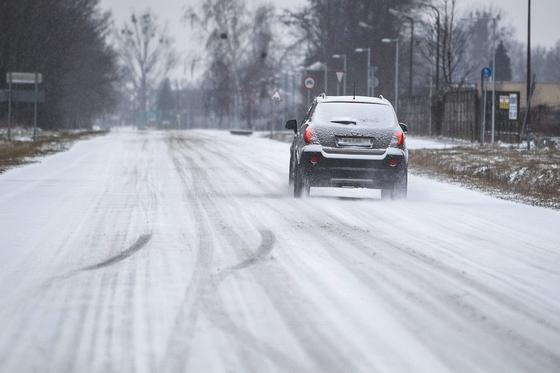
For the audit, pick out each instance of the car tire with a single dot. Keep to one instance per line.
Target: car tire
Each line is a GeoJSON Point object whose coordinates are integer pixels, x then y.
{"type": "Point", "coordinates": [291, 175]}
{"type": "Point", "coordinates": [386, 194]}
{"type": "Point", "coordinates": [302, 186]}
{"type": "Point", "coordinates": [306, 185]}
{"type": "Point", "coordinates": [298, 186]}
{"type": "Point", "coordinates": [398, 191]}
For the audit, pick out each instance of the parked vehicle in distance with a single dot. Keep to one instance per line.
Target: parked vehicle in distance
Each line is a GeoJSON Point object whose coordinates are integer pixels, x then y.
{"type": "Point", "coordinates": [347, 141]}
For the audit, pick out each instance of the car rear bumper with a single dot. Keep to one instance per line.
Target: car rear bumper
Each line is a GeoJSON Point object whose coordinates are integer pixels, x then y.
{"type": "Point", "coordinates": [375, 171]}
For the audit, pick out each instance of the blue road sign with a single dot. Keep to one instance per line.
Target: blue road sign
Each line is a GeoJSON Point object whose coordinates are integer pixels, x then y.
{"type": "Point", "coordinates": [22, 96]}
{"type": "Point", "coordinates": [487, 72]}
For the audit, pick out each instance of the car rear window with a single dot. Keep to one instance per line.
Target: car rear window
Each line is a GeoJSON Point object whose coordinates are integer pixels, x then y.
{"type": "Point", "coordinates": [362, 113]}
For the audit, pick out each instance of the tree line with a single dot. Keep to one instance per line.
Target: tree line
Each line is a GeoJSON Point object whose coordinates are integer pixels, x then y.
{"type": "Point", "coordinates": [249, 50]}
{"type": "Point", "coordinates": [66, 41]}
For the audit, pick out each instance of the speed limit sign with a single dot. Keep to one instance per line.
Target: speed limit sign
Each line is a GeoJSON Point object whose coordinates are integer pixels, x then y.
{"type": "Point", "coordinates": [309, 83]}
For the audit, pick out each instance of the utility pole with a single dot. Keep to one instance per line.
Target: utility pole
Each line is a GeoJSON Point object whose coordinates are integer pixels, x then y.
{"type": "Point", "coordinates": [494, 21]}
{"type": "Point", "coordinates": [528, 130]}
{"type": "Point", "coordinates": [410, 76]}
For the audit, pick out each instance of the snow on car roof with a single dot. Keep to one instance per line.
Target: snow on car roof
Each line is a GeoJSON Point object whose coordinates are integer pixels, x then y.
{"type": "Point", "coordinates": [366, 99]}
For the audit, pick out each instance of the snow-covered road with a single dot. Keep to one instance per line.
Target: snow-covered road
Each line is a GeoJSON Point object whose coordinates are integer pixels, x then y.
{"type": "Point", "coordinates": [176, 252]}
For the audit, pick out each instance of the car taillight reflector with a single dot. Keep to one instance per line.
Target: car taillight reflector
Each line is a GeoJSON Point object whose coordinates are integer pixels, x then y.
{"type": "Point", "coordinates": [314, 159]}
{"type": "Point", "coordinates": [393, 162]}
{"type": "Point", "coordinates": [400, 137]}
{"type": "Point", "coordinates": [307, 135]}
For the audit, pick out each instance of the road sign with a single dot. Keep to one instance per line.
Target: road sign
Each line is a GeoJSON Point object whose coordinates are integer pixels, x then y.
{"type": "Point", "coordinates": [22, 96]}
{"type": "Point", "coordinates": [309, 83]}
{"type": "Point", "coordinates": [339, 76]}
{"type": "Point", "coordinates": [487, 72]}
{"type": "Point", "coordinates": [276, 96]}
{"type": "Point", "coordinates": [24, 78]}
{"type": "Point", "coordinates": [513, 107]}
{"type": "Point", "coordinates": [152, 116]}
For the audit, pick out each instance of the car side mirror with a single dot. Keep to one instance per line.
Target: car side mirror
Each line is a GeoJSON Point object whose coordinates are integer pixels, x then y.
{"type": "Point", "coordinates": [404, 127]}
{"type": "Point", "coordinates": [292, 125]}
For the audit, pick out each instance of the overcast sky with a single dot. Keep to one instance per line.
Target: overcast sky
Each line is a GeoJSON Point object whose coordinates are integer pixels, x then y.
{"type": "Point", "coordinates": [546, 25]}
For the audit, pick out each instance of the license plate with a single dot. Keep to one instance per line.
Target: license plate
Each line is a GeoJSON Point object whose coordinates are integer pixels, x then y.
{"type": "Point", "coordinates": [354, 141]}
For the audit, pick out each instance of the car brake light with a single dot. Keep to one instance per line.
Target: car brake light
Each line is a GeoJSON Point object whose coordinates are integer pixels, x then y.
{"type": "Point", "coordinates": [398, 139]}
{"type": "Point", "coordinates": [307, 135]}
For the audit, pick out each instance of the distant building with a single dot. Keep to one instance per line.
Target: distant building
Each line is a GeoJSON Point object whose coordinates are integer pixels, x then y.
{"type": "Point", "coordinates": [547, 94]}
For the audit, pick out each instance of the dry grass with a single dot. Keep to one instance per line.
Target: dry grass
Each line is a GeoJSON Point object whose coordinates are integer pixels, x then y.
{"type": "Point", "coordinates": [21, 152]}
{"type": "Point", "coordinates": [532, 176]}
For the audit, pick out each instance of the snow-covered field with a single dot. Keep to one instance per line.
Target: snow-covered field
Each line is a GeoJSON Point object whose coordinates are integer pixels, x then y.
{"type": "Point", "coordinates": [172, 252]}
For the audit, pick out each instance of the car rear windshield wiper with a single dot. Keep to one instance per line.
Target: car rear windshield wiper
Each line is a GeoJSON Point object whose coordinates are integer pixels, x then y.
{"type": "Point", "coordinates": [344, 121]}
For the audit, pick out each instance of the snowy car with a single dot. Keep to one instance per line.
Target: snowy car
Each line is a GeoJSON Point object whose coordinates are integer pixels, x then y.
{"type": "Point", "coordinates": [349, 142]}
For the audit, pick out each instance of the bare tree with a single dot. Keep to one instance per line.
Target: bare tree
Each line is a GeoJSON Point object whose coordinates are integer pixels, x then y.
{"type": "Point", "coordinates": [224, 25]}
{"type": "Point", "coordinates": [66, 40]}
{"type": "Point", "coordinates": [147, 56]}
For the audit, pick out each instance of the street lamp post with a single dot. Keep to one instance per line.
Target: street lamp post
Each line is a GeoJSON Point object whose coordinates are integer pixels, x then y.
{"type": "Point", "coordinates": [345, 61]}
{"type": "Point", "coordinates": [438, 32]}
{"type": "Point", "coordinates": [396, 41]}
{"type": "Point", "coordinates": [370, 82]}
{"type": "Point", "coordinates": [410, 74]}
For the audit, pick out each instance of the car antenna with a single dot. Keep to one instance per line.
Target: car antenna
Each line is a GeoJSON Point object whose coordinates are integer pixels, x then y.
{"type": "Point", "coordinates": [354, 90]}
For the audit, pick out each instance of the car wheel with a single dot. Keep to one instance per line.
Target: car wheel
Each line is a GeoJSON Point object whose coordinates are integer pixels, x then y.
{"type": "Point", "coordinates": [387, 194]}
{"type": "Point", "coordinates": [291, 176]}
{"type": "Point", "coordinates": [400, 190]}
{"type": "Point", "coordinates": [306, 185]}
{"type": "Point", "coordinates": [302, 185]}
{"type": "Point", "coordinates": [298, 186]}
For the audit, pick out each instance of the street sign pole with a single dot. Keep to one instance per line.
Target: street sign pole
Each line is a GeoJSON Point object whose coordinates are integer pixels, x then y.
{"type": "Point", "coordinates": [494, 81]}
{"type": "Point", "coordinates": [485, 74]}
{"type": "Point", "coordinates": [309, 84]}
{"type": "Point", "coordinates": [9, 106]}
{"type": "Point", "coordinates": [345, 73]}
{"type": "Point", "coordinates": [370, 74]}
{"type": "Point", "coordinates": [340, 77]}
{"type": "Point", "coordinates": [36, 104]}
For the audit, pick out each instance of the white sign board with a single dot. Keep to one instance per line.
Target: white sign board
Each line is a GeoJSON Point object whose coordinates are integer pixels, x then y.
{"type": "Point", "coordinates": [340, 76]}
{"type": "Point", "coordinates": [309, 83]}
{"type": "Point", "coordinates": [276, 96]}
{"type": "Point", "coordinates": [513, 110]}
{"type": "Point", "coordinates": [24, 78]}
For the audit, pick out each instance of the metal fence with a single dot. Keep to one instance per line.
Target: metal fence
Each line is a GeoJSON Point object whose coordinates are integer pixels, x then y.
{"type": "Point", "coordinates": [416, 112]}
{"type": "Point", "coordinates": [460, 115]}
{"type": "Point", "coordinates": [460, 119]}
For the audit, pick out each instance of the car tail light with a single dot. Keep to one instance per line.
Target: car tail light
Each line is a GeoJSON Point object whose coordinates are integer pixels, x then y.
{"type": "Point", "coordinates": [398, 139]}
{"type": "Point", "coordinates": [314, 159]}
{"type": "Point", "coordinates": [393, 162]}
{"type": "Point", "coordinates": [307, 135]}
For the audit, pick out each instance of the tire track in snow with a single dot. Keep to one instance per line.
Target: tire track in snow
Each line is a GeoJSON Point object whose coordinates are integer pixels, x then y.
{"type": "Point", "coordinates": [207, 300]}
{"type": "Point", "coordinates": [133, 249]}
{"type": "Point", "coordinates": [296, 315]}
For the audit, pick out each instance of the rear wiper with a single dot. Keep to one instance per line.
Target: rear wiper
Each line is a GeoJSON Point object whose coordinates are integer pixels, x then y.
{"type": "Point", "coordinates": [347, 122]}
